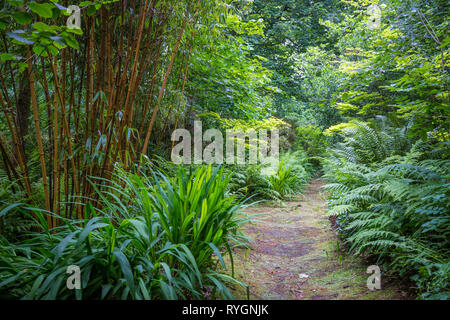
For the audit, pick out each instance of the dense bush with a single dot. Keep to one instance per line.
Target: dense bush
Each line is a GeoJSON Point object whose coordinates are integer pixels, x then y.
{"type": "Point", "coordinates": [250, 181]}
{"type": "Point", "coordinates": [311, 139]}
{"type": "Point", "coordinates": [154, 237]}
{"type": "Point", "coordinates": [287, 180]}
{"type": "Point", "coordinates": [292, 174]}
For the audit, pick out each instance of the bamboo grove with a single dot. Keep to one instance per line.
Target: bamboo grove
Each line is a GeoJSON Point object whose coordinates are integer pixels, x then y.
{"type": "Point", "coordinates": [102, 89]}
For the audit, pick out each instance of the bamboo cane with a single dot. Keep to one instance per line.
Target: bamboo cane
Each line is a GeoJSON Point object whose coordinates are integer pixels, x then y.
{"type": "Point", "coordinates": [38, 135]}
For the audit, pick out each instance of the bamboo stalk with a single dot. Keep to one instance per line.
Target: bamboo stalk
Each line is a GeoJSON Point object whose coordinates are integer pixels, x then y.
{"type": "Point", "coordinates": [69, 140]}
{"type": "Point", "coordinates": [183, 85]}
{"type": "Point", "coordinates": [55, 154]}
{"type": "Point", "coordinates": [49, 127]}
{"type": "Point", "coordinates": [38, 134]}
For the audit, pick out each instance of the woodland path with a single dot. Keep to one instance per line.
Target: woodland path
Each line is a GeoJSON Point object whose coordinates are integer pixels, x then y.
{"type": "Point", "coordinates": [296, 255]}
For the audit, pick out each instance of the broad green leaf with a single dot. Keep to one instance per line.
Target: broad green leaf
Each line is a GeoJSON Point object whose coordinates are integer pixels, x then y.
{"type": "Point", "coordinates": [41, 26]}
{"type": "Point", "coordinates": [44, 10]}
{"type": "Point", "coordinates": [22, 17]}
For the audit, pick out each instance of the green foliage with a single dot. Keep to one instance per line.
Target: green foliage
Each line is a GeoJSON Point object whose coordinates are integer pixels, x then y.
{"type": "Point", "coordinates": [245, 125]}
{"type": "Point", "coordinates": [283, 180]}
{"type": "Point", "coordinates": [292, 174]}
{"type": "Point", "coordinates": [320, 81]}
{"type": "Point", "coordinates": [366, 145]}
{"type": "Point", "coordinates": [393, 208]}
{"type": "Point", "coordinates": [44, 37]}
{"type": "Point", "coordinates": [312, 139]}
{"type": "Point", "coordinates": [399, 69]}
{"type": "Point", "coordinates": [290, 27]}
{"type": "Point", "coordinates": [163, 244]}
{"type": "Point", "coordinates": [224, 79]}
{"type": "Point", "coordinates": [261, 181]}
{"type": "Point", "coordinates": [250, 181]}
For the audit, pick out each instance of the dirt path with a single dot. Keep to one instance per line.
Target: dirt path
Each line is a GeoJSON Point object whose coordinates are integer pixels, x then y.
{"type": "Point", "coordinates": [296, 255]}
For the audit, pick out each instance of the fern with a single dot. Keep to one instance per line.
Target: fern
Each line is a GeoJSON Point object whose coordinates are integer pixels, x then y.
{"type": "Point", "coordinates": [393, 205]}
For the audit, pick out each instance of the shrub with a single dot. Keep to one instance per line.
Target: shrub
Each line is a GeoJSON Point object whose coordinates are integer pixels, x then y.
{"type": "Point", "coordinates": [288, 179]}
{"type": "Point", "coordinates": [291, 175]}
{"type": "Point", "coordinates": [249, 181]}
{"type": "Point", "coordinates": [313, 141]}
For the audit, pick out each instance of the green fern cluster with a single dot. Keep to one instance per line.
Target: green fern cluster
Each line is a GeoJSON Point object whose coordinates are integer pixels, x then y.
{"type": "Point", "coordinates": [394, 208]}
{"type": "Point", "coordinates": [367, 145]}
{"type": "Point", "coordinates": [248, 181]}
{"type": "Point", "coordinates": [294, 171]}
{"type": "Point", "coordinates": [288, 180]}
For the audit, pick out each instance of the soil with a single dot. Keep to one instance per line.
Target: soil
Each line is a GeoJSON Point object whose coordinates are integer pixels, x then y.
{"type": "Point", "coordinates": [295, 254]}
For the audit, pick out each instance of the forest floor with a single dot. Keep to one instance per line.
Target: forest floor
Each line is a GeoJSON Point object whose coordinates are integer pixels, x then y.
{"type": "Point", "coordinates": [295, 254]}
